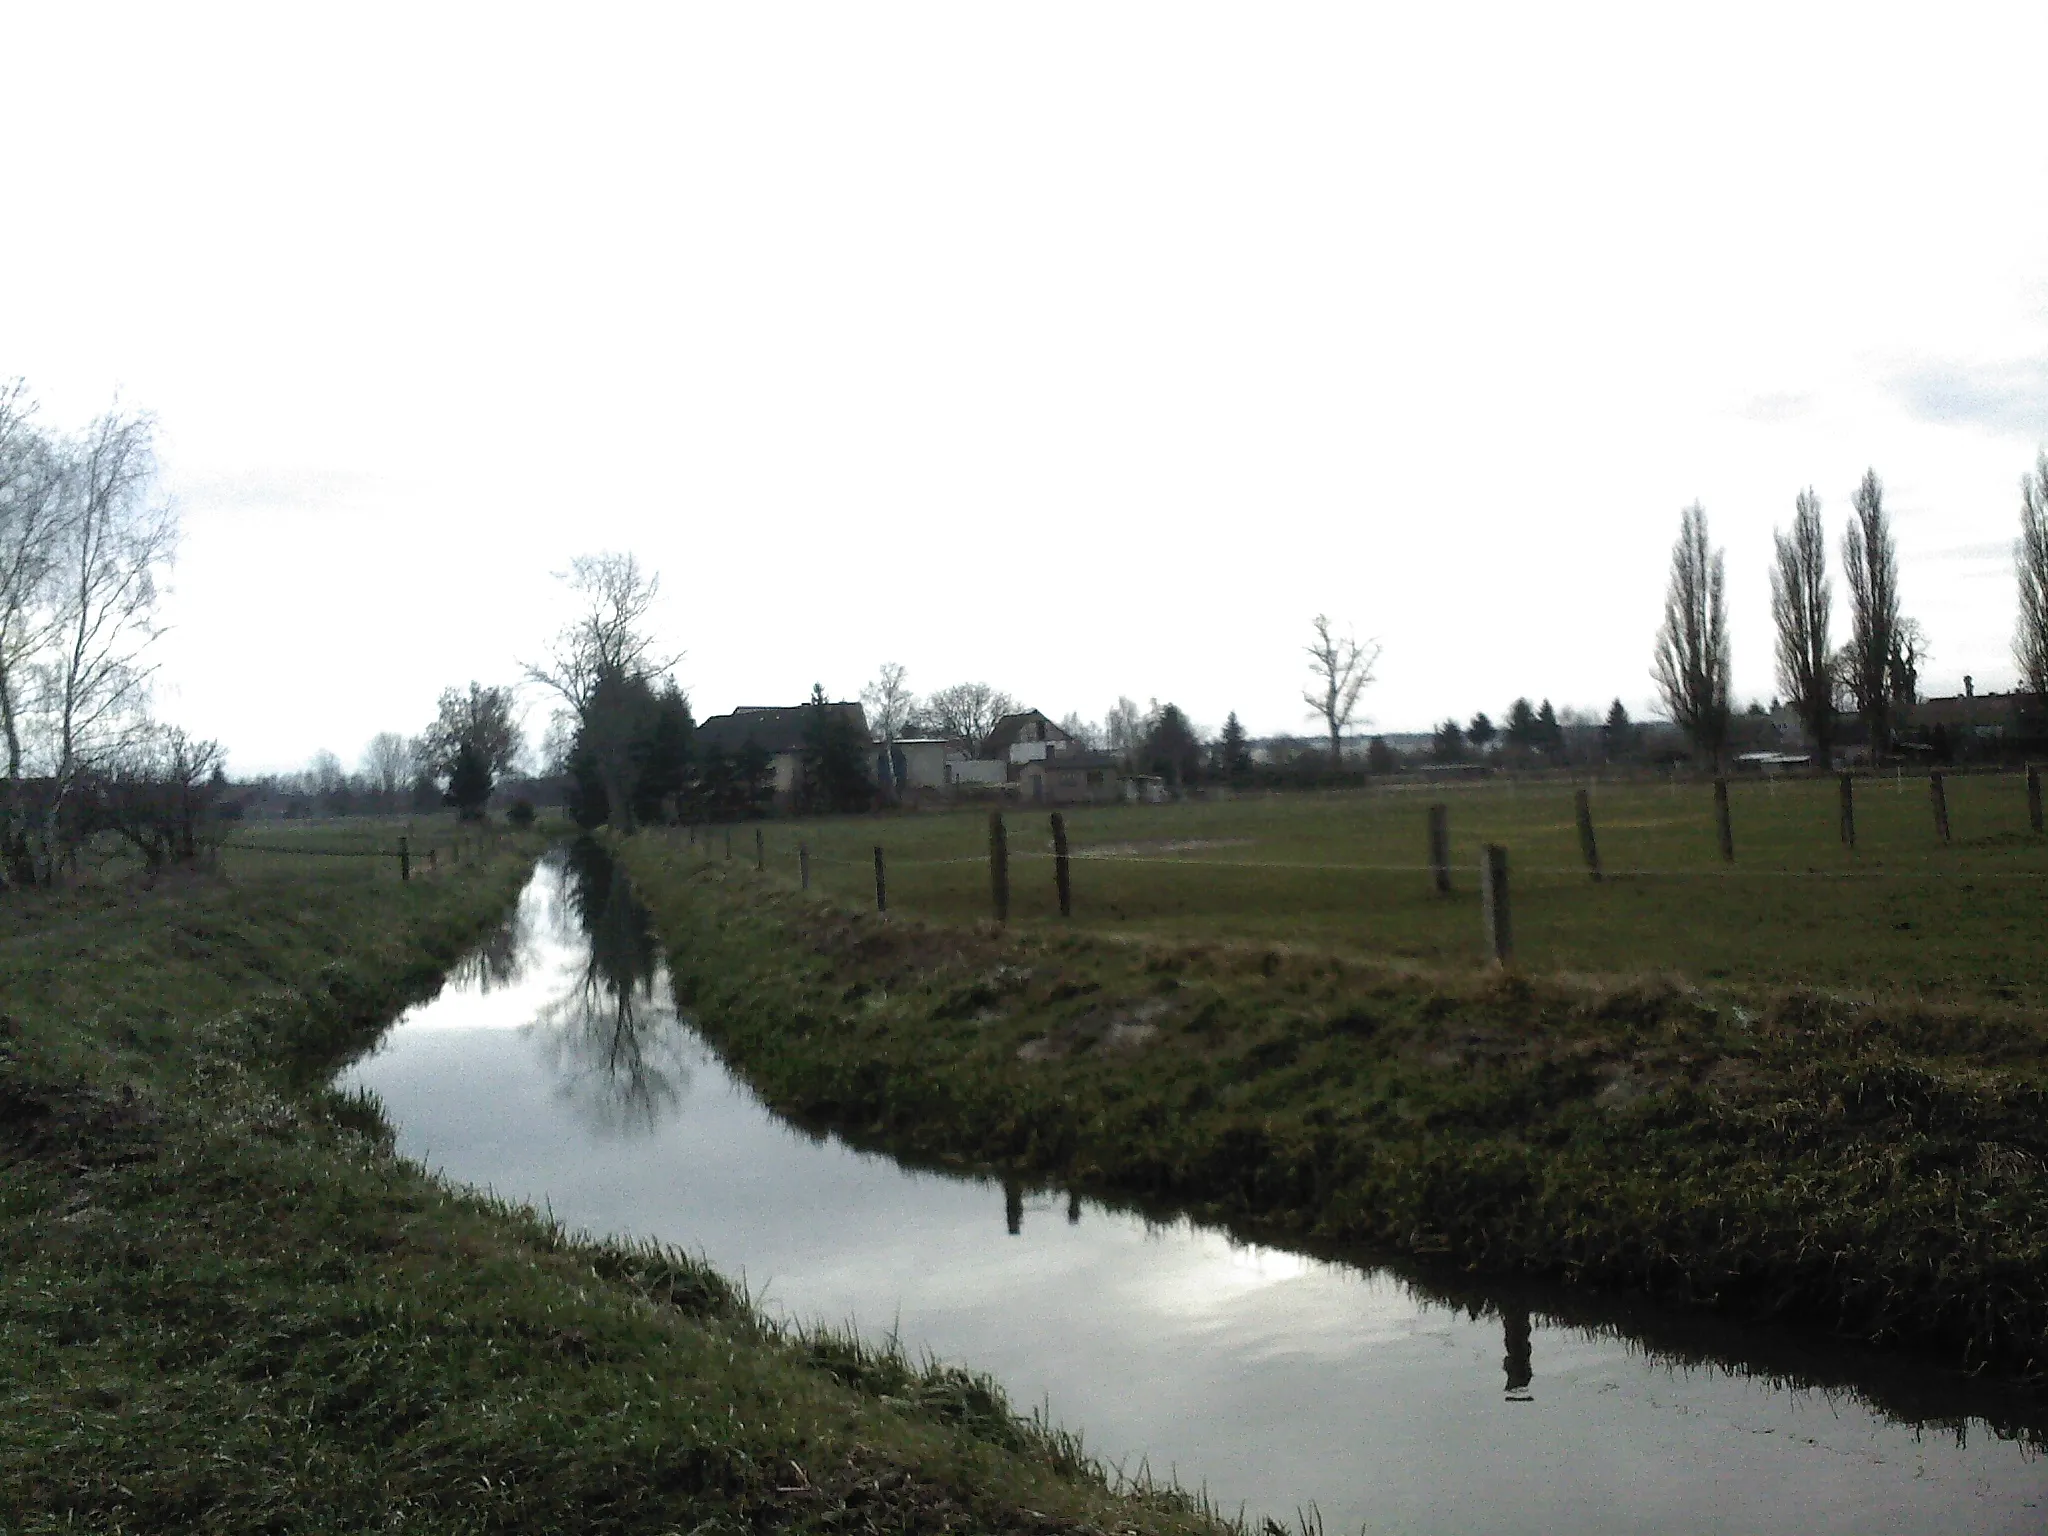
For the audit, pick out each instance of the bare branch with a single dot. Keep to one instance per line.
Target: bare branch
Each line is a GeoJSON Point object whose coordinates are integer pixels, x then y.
{"type": "Point", "coordinates": [609, 641]}
{"type": "Point", "coordinates": [1343, 669]}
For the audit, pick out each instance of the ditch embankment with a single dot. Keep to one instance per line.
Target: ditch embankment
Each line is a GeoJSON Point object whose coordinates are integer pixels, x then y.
{"type": "Point", "coordinates": [1879, 1169]}
{"type": "Point", "coordinates": [226, 1305]}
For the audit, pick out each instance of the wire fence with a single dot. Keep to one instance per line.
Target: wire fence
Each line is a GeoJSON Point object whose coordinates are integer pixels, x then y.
{"type": "Point", "coordinates": [1786, 831]}
{"type": "Point", "coordinates": [410, 858]}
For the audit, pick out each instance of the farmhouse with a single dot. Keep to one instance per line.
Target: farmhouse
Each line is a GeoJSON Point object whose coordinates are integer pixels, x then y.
{"type": "Point", "coordinates": [1026, 737]}
{"type": "Point", "coordinates": [778, 730]}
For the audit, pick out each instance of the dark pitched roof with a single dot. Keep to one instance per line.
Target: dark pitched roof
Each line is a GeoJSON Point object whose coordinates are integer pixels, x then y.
{"type": "Point", "coordinates": [771, 727]}
{"type": "Point", "coordinates": [1010, 730]}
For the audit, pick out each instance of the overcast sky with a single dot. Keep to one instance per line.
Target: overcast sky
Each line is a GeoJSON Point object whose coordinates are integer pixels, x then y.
{"type": "Point", "coordinates": [1085, 349]}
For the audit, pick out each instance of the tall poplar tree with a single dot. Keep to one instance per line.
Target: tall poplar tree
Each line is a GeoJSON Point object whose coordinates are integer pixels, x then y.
{"type": "Point", "coordinates": [1691, 660]}
{"type": "Point", "coordinates": [1802, 606]}
{"type": "Point", "coordinates": [1870, 563]}
{"type": "Point", "coordinates": [2030, 556]}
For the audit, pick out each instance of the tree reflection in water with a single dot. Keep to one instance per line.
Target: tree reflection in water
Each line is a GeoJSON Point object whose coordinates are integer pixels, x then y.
{"type": "Point", "coordinates": [501, 960]}
{"type": "Point", "coordinates": [613, 1038]}
{"type": "Point", "coordinates": [1521, 1371]}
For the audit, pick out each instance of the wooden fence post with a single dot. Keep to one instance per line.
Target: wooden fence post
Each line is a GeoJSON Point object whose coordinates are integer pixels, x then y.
{"type": "Point", "coordinates": [2034, 797]}
{"type": "Point", "coordinates": [1721, 821]}
{"type": "Point", "coordinates": [760, 849]}
{"type": "Point", "coordinates": [1062, 877]}
{"type": "Point", "coordinates": [1440, 847]}
{"type": "Point", "coordinates": [803, 865]}
{"type": "Point", "coordinates": [728, 842]}
{"type": "Point", "coordinates": [999, 865]}
{"type": "Point", "coordinates": [1937, 792]}
{"type": "Point", "coordinates": [430, 857]}
{"type": "Point", "coordinates": [1848, 810]}
{"type": "Point", "coordinates": [1493, 904]}
{"type": "Point", "coordinates": [1587, 845]}
{"type": "Point", "coordinates": [404, 860]}
{"type": "Point", "coordinates": [881, 883]}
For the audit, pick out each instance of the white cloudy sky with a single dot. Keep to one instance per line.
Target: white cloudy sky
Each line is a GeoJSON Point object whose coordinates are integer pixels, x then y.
{"type": "Point", "coordinates": [1086, 349]}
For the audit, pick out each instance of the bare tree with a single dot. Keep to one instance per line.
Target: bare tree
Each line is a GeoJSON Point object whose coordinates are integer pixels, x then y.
{"type": "Point", "coordinates": [1691, 663]}
{"type": "Point", "coordinates": [158, 794]}
{"type": "Point", "coordinates": [608, 641]}
{"type": "Point", "coordinates": [112, 540]}
{"type": "Point", "coordinates": [889, 706]}
{"type": "Point", "coordinates": [968, 711]}
{"type": "Point", "coordinates": [1123, 727]}
{"type": "Point", "coordinates": [387, 763]}
{"type": "Point", "coordinates": [597, 659]}
{"type": "Point", "coordinates": [324, 774]}
{"type": "Point", "coordinates": [1802, 603]}
{"type": "Point", "coordinates": [1870, 562]}
{"type": "Point", "coordinates": [29, 485]}
{"type": "Point", "coordinates": [1910, 652]}
{"type": "Point", "coordinates": [1086, 732]}
{"type": "Point", "coordinates": [889, 703]}
{"type": "Point", "coordinates": [2030, 557]}
{"type": "Point", "coordinates": [1342, 669]}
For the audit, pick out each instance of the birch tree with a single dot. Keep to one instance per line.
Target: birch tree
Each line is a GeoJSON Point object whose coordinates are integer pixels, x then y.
{"type": "Point", "coordinates": [1691, 660]}
{"type": "Point", "coordinates": [889, 704]}
{"type": "Point", "coordinates": [1870, 563]}
{"type": "Point", "coordinates": [111, 539]}
{"type": "Point", "coordinates": [1802, 603]}
{"type": "Point", "coordinates": [2030, 559]}
{"type": "Point", "coordinates": [889, 701]}
{"type": "Point", "coordinates": [29, 483]}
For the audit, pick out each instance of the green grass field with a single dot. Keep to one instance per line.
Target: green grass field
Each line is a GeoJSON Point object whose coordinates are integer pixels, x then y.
{"type": "Point", "coordinates": [1902, 914]}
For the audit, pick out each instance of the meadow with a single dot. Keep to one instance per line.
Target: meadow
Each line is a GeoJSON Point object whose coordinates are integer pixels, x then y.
{"type": "Point", "coordinates": [1346, 873]}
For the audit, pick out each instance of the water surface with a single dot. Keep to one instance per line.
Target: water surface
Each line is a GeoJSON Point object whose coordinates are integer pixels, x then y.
{"type": "Point", "coordinates": [554, 1068]}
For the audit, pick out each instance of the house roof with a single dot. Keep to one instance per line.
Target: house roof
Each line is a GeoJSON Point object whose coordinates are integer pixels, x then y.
{"type": "Point", "coordinates": [1009, 730]}
{"type": "Point", "coordinates": [771, 727]}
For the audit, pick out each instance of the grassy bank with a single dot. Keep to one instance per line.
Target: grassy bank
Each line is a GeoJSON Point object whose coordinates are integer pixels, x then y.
{"type": "Point", "coordinates": [1880, 1168]}
{"type": "Point", "coordinates": [226, 1306]}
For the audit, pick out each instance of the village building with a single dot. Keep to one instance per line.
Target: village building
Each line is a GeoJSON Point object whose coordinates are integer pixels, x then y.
{"type": "Point", "coordinates": [1076, 777]}
{"type": "Point", "coordinates": [921, 761]}
{"type": "Point", "coordinates": [1027, 736]}
{"type": "Point", "coordinates": [780, 731]}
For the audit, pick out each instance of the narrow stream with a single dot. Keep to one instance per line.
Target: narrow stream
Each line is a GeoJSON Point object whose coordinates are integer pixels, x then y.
{"type": "Point", "coordinates": [553, 1068]}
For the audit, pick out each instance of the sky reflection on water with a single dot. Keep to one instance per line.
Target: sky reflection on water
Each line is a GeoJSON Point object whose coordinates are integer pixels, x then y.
{"type": "Point", "coordinates": [553, 1069]}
